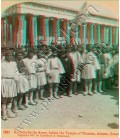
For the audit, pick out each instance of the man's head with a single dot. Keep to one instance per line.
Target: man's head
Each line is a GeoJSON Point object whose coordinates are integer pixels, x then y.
{"type": "Point", "coordinates": [20, 55]}
{"type": "Point", "coordinates": [9, 55]}
{"type": "Point", "coordinates": [31, 54]}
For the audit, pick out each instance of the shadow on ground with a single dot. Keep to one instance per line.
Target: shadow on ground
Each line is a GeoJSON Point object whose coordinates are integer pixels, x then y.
{"type": "Point", "coordinates": [114, 93]}
{"type": "Point", "coordinates": [113, 125]}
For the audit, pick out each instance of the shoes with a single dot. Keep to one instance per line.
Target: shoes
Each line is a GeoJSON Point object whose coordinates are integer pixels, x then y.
{"type": "Point", "coordinates": [60, 96]}
{"type": "Point", "coordinates": [90, 93]}
{"type": "Point", "coordinates": [4, 118]}
{"type": "Point", "coordinates": [101, 91]}
{"type": "Point", "coordinates": [51, 97]}
{"type": "Point", "coordinates": [11, 115]}
{"type": "Point", "coordinates": [69, 95]}
{"type": "Point", "coordinates": [76, 93]}
{"type": "Point", "coordinates": [56, 97]}
{"type": "Point", "coordinates": [26, 105]}
{"type": "Point", "coordinates": [32, 103]}
{"type": "Point", "coordinates": [85, 93]}
{"type": "Point", "coordinates": [14, 110]}
{"type": "Point", "coordinates": [36, 101]}
{"type": "Point", "coordinates": [21, 107]}
{"type": "Point", "coordinates": [42, 98]}
{"type": "Point", "coordinates": [95, 92]}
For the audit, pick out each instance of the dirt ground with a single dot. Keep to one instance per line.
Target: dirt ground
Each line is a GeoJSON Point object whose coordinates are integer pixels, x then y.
{"type": "Point", "coordinates": [76, 112]}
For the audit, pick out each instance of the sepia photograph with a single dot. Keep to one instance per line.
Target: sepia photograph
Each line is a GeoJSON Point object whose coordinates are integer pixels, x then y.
{"type": "Point", "coordinates": [59, 67]}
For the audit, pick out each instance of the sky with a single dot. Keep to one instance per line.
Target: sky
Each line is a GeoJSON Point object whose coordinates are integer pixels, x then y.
{"type": "Point", "coordinates": [107, 7]}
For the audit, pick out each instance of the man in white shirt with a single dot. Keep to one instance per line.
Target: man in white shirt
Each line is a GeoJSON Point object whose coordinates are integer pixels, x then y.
{"type": "Point", "coordinates": [30, 63]}
{"type": "Point", "coordinates": [8, 84]}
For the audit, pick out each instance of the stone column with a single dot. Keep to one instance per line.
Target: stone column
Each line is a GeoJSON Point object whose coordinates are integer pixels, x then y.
{"type": "Point", "coordinates": [65, 29]}
{"type": "Point", "coordinates": [68, 32]}
{"type": "Point", "coordinates": [102, 33]}
{"type": "Point", "coordinates": [99, 33]}
{"type": "Point", "coordinates": [110, 36]}
{"type": "Point", "coordinates": [77, 33]}
{"type": "Point", "coordinates": [92, 34]}
{"type": "Point", "coordinates": [24, 31]}
{"type": "Point", "coordinates": [31, 29]}
{"type": "Point", "coordinates": [73, 33]}
{"type": "Point", "coordinates": [35, 31]}
{"type": "Point", "coordinates": [58, 28]}
{"type": "Point", "coordinates": [47, 30]}
{"type": "Point", "coordinates": [81, 34]}
{"type": "Point", "coordinates": [55, 29]}
{"type": "Point", "coordinates": [7, 33]}
{"type": "Point", "coordinates": [116, 36]}
{"type": "Point", "coordinates": [95, 34]}
{"type": "Point", "coordinates": [85, 34]}
{"type": "Point", "coordinates": [43, 28]}
{"type": "Point", "coordinates": [2, 31]}
{"type": "Point", "coordinates": [21, 30]}
{"type": "Point", "coordinates": [88, 34]}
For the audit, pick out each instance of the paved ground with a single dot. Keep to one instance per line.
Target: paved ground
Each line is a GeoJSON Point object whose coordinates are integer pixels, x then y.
{"type": "Point", "coordinates": [98, 111]}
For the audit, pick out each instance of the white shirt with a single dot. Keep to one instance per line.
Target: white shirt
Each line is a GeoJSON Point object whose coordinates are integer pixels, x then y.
{"type": "Point", "coordinates": [92, 59]}
{"type": "Point", "coordinates": [107, 59]}
{"type": "Point", "coordinates": [115, 59]}
{"type": "Point", "coordinates": [30, 64]}
{"type": "Point", "coordinates": [55, 63]}
{"type": "Point", "coordinates": [41, 64]}
{"type": "Point", "coordinates": [76, 59]}
{"type": "Point", "coordinates": [9, 69]}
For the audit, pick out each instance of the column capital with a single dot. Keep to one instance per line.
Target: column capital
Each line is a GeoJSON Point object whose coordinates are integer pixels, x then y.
{"type": "Point", "coordinates": [42, 16]}
{"type": "Point", "coordinates": [96, 24]}
{"type": "Point", "coordinates": [31, 16]}
{"type": "Point", "coordinates": [89, 23]}
{"type": "Point", "coordinates": [103, 25]}
{"type": "Point", "coordinates": [110, 26]}
{"type": "Point", "coordinates": [53, 18]}
{"type": "Point", "coordinates": [21, 17]}
{"type": "Point", "coordinates": [65, 20]}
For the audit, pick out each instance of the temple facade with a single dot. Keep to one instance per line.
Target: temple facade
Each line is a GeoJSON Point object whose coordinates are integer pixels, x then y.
{"type": "Point", "coordinates": [29, 23]}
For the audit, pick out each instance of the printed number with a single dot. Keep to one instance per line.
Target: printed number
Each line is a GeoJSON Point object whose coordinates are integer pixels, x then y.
{"type": "Point", "coordinates": [6, 132]}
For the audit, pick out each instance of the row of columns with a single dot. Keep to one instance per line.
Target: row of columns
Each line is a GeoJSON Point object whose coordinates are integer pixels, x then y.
{"type": "Point", "coordinates": [16, 30]}
{"type": "Point", "coordinates": [97, 33]}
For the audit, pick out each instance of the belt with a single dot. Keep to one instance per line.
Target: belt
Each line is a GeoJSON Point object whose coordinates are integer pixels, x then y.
{"type": "Point", "coordinates": [32, 73]}
{"type": "Point", "coordinates": [42, 71]}
{"type": "Point", "coordinates": [22, 74]}
{"type": "Point", "coordinates": [7, 77]}
{"type": "Point", "coordinates": [54, 68]}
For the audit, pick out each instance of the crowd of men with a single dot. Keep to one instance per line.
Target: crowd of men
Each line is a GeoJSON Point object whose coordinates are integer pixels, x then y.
{"type": "Point", "coordinates": [30, 74]}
